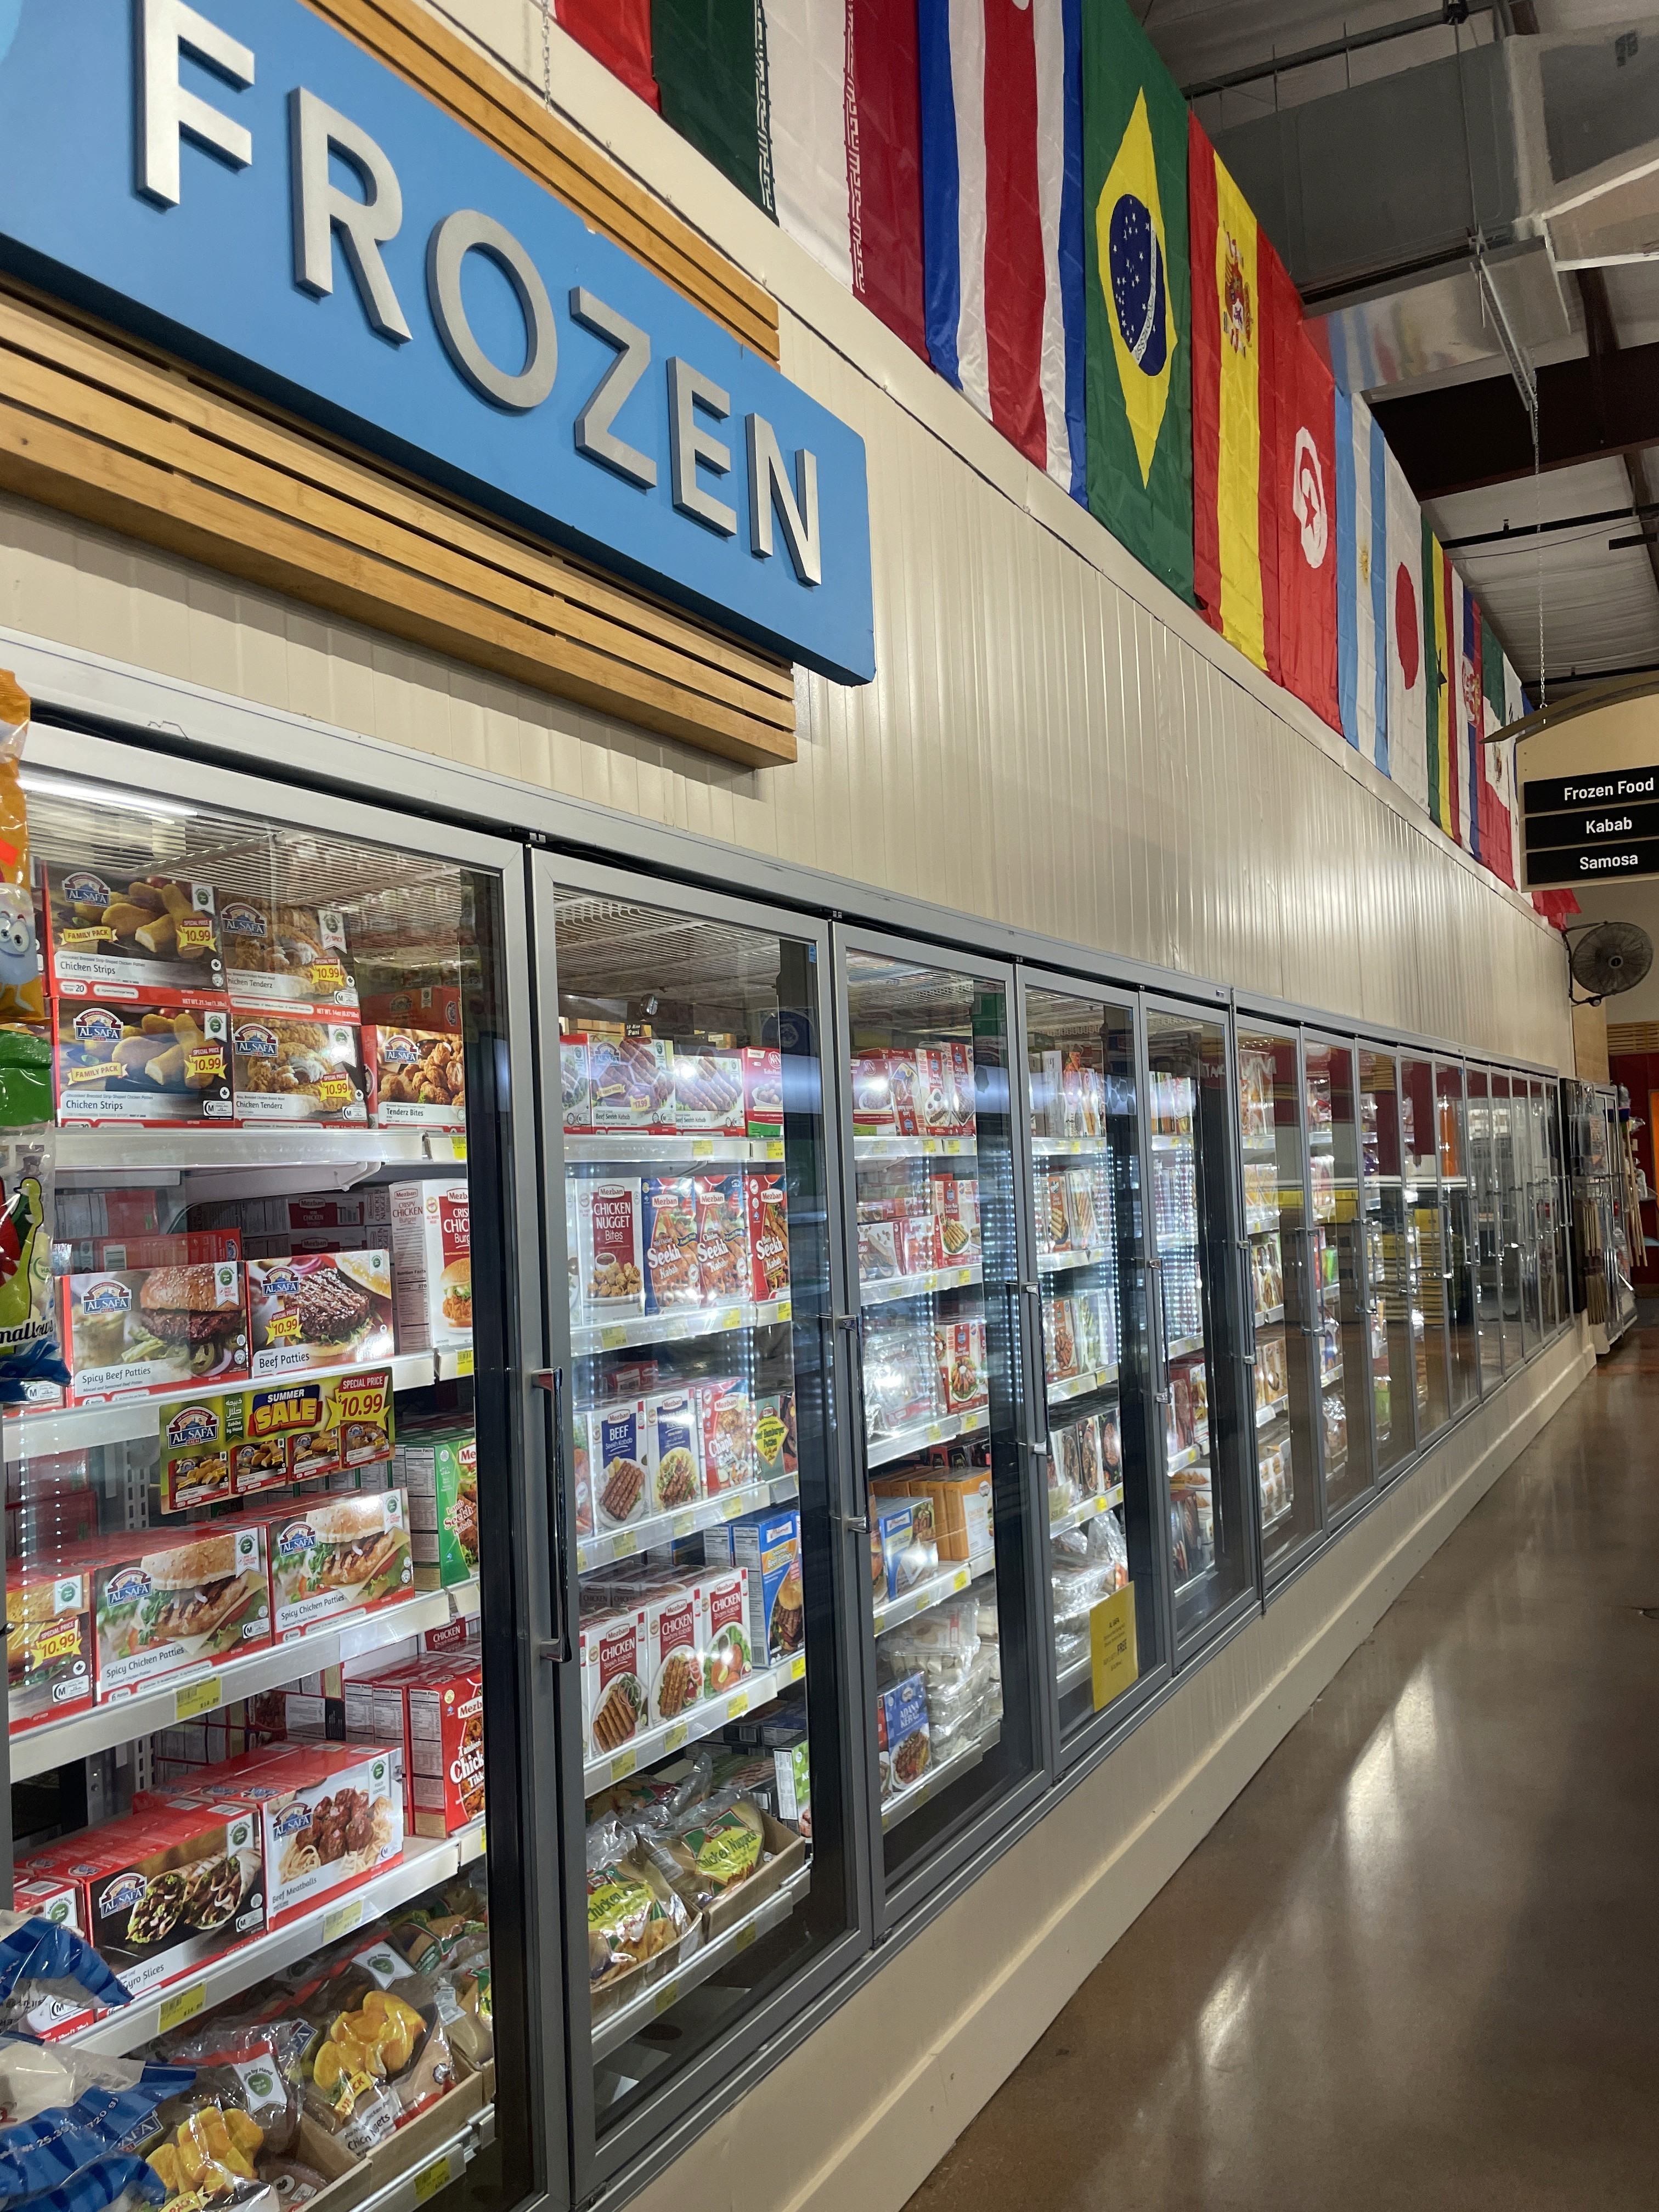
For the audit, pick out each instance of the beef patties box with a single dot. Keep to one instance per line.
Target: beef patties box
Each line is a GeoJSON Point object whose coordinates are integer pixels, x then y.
{"type": "Point", "coordinates": [141, 1061]}
{"type": "Point", "coordinates": [135, 1331]}
{"type": "Point", "coordinates": [165, 1599]}
{"type": "Point", "coordinates": [348, 1555]}
{"type": "Point", "coordinates": [155, 937]}
{"type": "Point", "coordinates": [319, 1310]}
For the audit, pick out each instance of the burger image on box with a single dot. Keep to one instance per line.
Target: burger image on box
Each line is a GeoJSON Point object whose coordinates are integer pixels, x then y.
{"type": "Point", "coordinates": [321, 1310]}
{"type": "Point", "coordinates": [349, 1554]}
{"type": "Point", "coordinates": [48, 1641]}
{"type": "Point", "coordinates": [445, 1752]}
{"type": "Point", "coordinates": [331, 1818]}
{"type": "Point", "coordinates": [432, 1256]}
{"type": "Point", "coordinates": [155, 937]}
{"type": "Point", "coordinates": [164, 1890]}
{"type": "Point", "coordinates": [162, 1600]}
{"type": "Point", "coordinates": [768, 1544]}
{"type": "Point", "coordinates": [286, 955]}
{"type": "Point", "coordinates": [286, 1070]}
{"type": "Point", "coordinates": [140, 1061]}
{"type": "Point", "coordinates": [439, 1468]}
{"type": "Point", "coordinates": [133, 1331]}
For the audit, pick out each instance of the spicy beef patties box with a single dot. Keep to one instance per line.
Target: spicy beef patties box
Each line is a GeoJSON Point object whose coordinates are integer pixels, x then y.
{"type": "Point", "coordinates": [132, 1331]}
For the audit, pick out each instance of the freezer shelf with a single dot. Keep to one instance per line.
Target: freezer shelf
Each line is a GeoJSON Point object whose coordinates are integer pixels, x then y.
{"type": "Point", "coordinates": [913, 1148]}
{"type": "Point", "coordinates": [1086, 1509]}
{"type": "Point", "coordinates": [425, 1862]}
{"type": "Point", "coordinates": [890, 1612]}
{"type": "Point", "coordinates": [129, 1420]}
{"type": "Point", "coordinates": [1056, 1263]}
{"type": "Point", "coordinates": [115, 1148]}
{"type": "Point", "coordinates": [686, 1521]}
{"type": "Point", "coordinates": [617, 2027]}
{"type": "Point", "coordinates": [1079, 1386]}
{"type": "Point", "coordinates": [189, 1697]}
{"type": "Point", "coordinates": [916, 1286]}
{"type": "Point", "coordinates": [1069, 1148]}
{"type": "Point", "coordinates": [675, 1328]}
{"type": "Point", "coordinates": [881, 1450]}
{"type": "Point", "coordinates": [905, 1801]}
{"type": "Point", "coordinates": [621, 1145]}
{"type": "Point", "coordinates": [699, 1720]}
{"type": "Point", "coordinates": [422, 2182]}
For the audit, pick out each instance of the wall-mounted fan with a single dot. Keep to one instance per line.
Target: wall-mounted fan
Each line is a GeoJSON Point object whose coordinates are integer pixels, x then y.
{"type": "Point", "coordinates": [1609, 957]}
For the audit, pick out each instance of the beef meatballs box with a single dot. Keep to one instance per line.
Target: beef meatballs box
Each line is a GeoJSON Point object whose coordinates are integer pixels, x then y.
{"type": "Point", "coordinates": [319, 1310]}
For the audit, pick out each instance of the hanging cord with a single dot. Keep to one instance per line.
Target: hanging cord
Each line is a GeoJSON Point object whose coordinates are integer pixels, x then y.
{"type": "Point", "coordinates": [546, 53]}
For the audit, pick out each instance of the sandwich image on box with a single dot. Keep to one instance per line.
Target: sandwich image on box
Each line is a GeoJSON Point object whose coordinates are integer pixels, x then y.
{"type": "Point", "coordinates": [136, 1331]}
{"type": "Point", "coordinates": [321, 1310]}
{"type": "Point", "coordinates": [164, 1600]}
{"type": "Point", "coordinates": [432, 1256]}
{"type": "Point", "coordinates": [349, 1555]}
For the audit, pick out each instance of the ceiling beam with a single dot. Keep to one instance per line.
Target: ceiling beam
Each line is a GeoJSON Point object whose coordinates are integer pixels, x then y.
{"type": "Point", "coordinates": [1602, 332]}
{"type": "Point", "coordinates": [1471, 434]}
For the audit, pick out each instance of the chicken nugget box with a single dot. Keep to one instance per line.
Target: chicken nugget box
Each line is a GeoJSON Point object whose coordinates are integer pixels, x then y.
{"type": "Point", "coordinates": [341, 1556]}
{"type": "Point", "coordinates": [439, 1468]}
{"type": "Point", "coordinates": [166, 1889]}
{"type": "Point", "coordinates": [419, 1076]}
{"type": "Point", "coordinates": [135, 1332]}
{"type": "Point", "coordinates": [445, 1752]}
{"type": "Point", "coordinates": [290, 1070]}
{"type": "Point", "coordinates": [334, 1818]}
{"type": "Point", "coordinates": [48, 1641]}
{"type": "Point", "coordinates": [141, 1062]}
{"type": "Point", "coordinates": [293, 958]}
{"type": "Point", "coordinates": [155, 937]}
{"type": "Point", "coordinates": [768, 1545]}
{"type": "Point", "coordinates": [319, 1310]}
{"type": "Point", "coordinates": [432, 1256]}
{"type": "Point", "coordinates": [165, 1599]}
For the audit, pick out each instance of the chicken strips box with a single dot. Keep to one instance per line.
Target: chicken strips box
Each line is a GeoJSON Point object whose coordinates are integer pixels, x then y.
{"type": "Point", "coordinates": [348, 1554]}
{"type": "Point", "coordinates": [135, 1332]}
{"type": "Point", "coordinates": [319, 1310]}
{"type": "Point", "coordinates": [155, 937]}
{"type": "Point", "coordinates": [333, 1818]}
{"type": "Point", "coordinates": [167, 1599]}
{"type": "Point", "coordinates": [141, 1062]}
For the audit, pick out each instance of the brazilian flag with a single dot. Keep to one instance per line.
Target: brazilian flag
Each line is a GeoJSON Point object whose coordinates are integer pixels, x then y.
{"type": "Point", "coordinates": [1139, 294]}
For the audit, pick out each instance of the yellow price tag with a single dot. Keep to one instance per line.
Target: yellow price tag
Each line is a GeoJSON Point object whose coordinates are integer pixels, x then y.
{"type": "Point", "coordinates": [623, 1764]}
{"type": "Point", "coordinates": [683, 1524]}
{"type": "Point", "coordinates": [774, 1148]}
{"type": "Point", "coordinates": [702, 1148]}
{"type": "Point", "coordinates": [797, 1667]}
{"type": "Point", "coordinates": [457, 1147]}
{"type": "Point", "coordinates": [730, 1507]}
{"type": "Point", "coordinates": [175, 2011]}
{"type": "Point", "coordinates": [431, 2178]}
{"type": "Point", "coordinates": [785, 1309]}
{"type": "Point", "coordinates": [1113, 1660]}
{"type": "Point", "coordinates": [668, 1995]}
{"type": "Point", "coordinates": [624, 1541]}
{"type": "Point", "coordinates": [613, 1339]}
{"type": "Point", "coordinates": [676, 1736]}
{"type": "Point", "coordinates": [342, 1920]}
{"type": "Point", "coordinates": [204, 1697]}
{"type": "Point", "coordinates": [463, 1361]}
{"type": "Point", "coordinates": [737, 1704]}
{"type": "Point", "coordinates": [745, 1936]}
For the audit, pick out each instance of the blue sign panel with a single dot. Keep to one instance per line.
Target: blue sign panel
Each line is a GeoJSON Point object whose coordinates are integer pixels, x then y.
{"type": "Point", "coordinates": [239, 183]}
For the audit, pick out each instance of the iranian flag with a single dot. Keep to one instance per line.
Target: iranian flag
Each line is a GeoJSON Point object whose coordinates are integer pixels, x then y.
{"type": "Point", "coordinates": [616, 32]}
{"type": "Point", "coordinates": [814, 111]}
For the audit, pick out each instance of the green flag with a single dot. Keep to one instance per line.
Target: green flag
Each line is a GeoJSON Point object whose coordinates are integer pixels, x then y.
{"type": "Point", "coordinates": [1139, 294]}
{"type": "Point", "coordinates": [710, 60]}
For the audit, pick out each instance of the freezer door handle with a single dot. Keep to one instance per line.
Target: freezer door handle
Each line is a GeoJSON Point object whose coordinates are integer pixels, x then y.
{"type": "Point", "coordinates": [551, 1380]}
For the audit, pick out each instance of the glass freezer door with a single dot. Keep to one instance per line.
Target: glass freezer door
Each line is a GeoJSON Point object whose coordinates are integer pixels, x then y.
{"type": "Point", "coordinates": [708, 1800]}
{"type": "Point", "coordinates": [1527, 1170]}
{"type": "Point", "coordinates": [1457, 1231]}
{"type": "Point", "coordinates": [1283, 1291]}
{"type": "Point", "coordinates": [1509, 1220]}
{"type": "Point", "coordinates": [1388, 1261]}
{"type": "Point", "coordinates": [1196, 1346]}
{"type": "Point", "coordinates": [1420, 1153]}
{"type": "Point", "coordinates": [942, 1323]}
{"type": "Point", "coordinates": [1090, 1270]}
{"type": "Point", "coordinates": [275, 1731]}
{"type": "Point", "coordinates": [1350, 1336]}
{"type": "Point", "coordinates": [1484, 1189]}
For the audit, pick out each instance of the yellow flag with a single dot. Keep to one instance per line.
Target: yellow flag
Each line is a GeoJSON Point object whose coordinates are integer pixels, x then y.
{"type": "Point", "coordinates": [1131, 248]}
{"type": "Point", "coordinates": [1238, 487]}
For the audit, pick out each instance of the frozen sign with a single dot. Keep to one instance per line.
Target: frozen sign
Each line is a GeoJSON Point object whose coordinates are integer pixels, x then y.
{"type": "Point", "coordinates": [242, 184]}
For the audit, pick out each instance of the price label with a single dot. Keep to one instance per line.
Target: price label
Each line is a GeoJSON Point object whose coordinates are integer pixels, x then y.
{"type": "Point", "coordinates": [341, 1920]}
{"type": "Point", "coordinates": [457, 1147]}
{"type": "Point", "coordinates": [463, 1361]}
{"type": "Point", "coordinates": [732, 1317]}
{"type": "Point", "coordinates": [683, 1524]}
{"type": "Point", "coordinates": [745, 1936]}
{"type": "Point", "coordinates": [668, 1995]}
{"type": "Point", "coordinates": [612, 1339]}
{"type": "Point", "coordinates": [678, 1735]}
{"type": "Point", "coordinates": [774, 1148]}
{"type": "Point", "coordinates": [197, 1698]}
{"type": "Point", "coordinates": [1114, 1661]}
{"type": "Point", "coordinates": [959, 1580]}
{"type": "Point", "coordinates": [623, 1542]}
{"type": "Point", "coordinates": [737, 1705]}
{"type": "Point", "coordinates": [784, 1310]}
{"type": "Point", "coordinates": [328, 975]}
{"type": "Point", "coordinates": [176, 2010]}
{"type": "Point", "coordinates": [623, 1764]}
{"type": "Point", "coordinates": [797, 1667]}
{"type": "Point", "coordinates": [702, 1148]}
{"type": "Point", "coordinates": [431, 2178]}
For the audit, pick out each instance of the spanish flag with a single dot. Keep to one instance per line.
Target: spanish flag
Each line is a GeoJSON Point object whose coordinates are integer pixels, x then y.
{"type": "Point", "coordinates": [1235, 476]}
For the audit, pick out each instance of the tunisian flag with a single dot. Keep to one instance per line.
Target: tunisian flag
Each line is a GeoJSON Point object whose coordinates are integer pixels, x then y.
{"type": "Point", "coordinates": [1305, 458]}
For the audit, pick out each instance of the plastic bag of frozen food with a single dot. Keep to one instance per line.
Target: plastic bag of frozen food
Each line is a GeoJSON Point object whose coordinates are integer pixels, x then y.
{"type": "Point", "coordinates": [634, 1915]}
{"type": "Point", "coordinates": [69, 2110]}
{"type": "Point", "coordinates": [25, 1068]}
{"type": "Point", "coordinates": [709, 1855]}
{"type": "Point", "coordinates": [29, 1350]}
{"type": "Point", "coordinates": [40, 1959]}
{"type": "Point", "coordinates": [120, 2183]}
{"type": "Point", "coordinates": [206, 2142]}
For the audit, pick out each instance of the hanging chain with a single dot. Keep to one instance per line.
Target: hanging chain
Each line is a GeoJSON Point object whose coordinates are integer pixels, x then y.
{"type": "Point", "coordinates": [546, 53]}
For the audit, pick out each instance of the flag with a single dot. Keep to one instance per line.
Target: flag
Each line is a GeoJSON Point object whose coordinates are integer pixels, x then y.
{"type": "Point", "coordinates": [1437, 664]}
{"type": "Point", "coordinates": [1362, 578]}
{"type": "Point", "coordinates": [1235, 511]}
{"type": "Point", "coordinates": [618, 34]}
{"type": "Point", "coordinates": [1498, 764]}
{"type": "Point", "coordinates": [1407, 761]}
{"type": "Point", "coordinates": [1139, 295]}
{"type": "Point", "coordinates": [815, 111]}
{"type": "Point", "coordinates": [1469, 706]}
{"type": "Point", "coordinates": [1002, 217]}
{"type": "Point", "coordinates": [1305, 453]}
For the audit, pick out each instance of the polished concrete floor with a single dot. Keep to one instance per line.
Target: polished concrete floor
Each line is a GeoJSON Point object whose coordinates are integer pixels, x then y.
{"type": "Point", "coordinates": [1416, 1962]}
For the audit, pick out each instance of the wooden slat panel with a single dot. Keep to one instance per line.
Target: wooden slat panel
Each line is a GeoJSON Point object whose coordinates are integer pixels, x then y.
{"type": "Point", "coordinates": [441, 65]}
{"type": "Point", "coordinates": [117, 434]}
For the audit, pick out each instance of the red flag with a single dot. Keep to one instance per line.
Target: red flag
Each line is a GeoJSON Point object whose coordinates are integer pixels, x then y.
{"type": "Point", "coordinates": [883, 159]}
{"type": "Point", "coordinates": [1305, 458]}
{"type": "Point", "coordinates": [618, 34]}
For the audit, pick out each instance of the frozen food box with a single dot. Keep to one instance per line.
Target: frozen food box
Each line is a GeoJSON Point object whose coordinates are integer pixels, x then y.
{"type": "Point", "coordinates": [135, 1331]}
{"type": "Point", "coordinates": [961, 1508]}
{"type": "Point", "coordinates": [768, 1545]}
{"type": "Point", "coordinates": [439, 1468]}
{"type": "Point", "coordinates": [767, 1200]}
{"type": "Point", "coordinates": [48, 1641]}
{"type": "Point", "coordinates": [163, 1600]}
{"type": "Point", "coordinates": [434, 1006]}
{"type": "Point", "coordinates": [291, 1070]}
{"type": "Point", "coordinates": [726, 1417]}
{"type": "Point", "coordinates": [632, 1084]}
{"type": "Point", "coordinates": [419, 1076]}
{"type": "Point", "coordinates": [444, 1753]}
{"type": "Point", "coordinates": [611, 1247]}
{"type": "Point", "coordinates": [723, 1628]}
{"type": "Point", "coordinates": [956, 1209]}
{"type": "Point", "coordinates": [762, 1090]}
{"type": "Point", "coordinates": [319, 1310]}
{"type": "Point", "coordinates": [903, 1745]}
{"type": "Point", "coordinates": [284, 956]}
{"type": "Point", "coordinates": [872, 1096]}
{"type": "Point", "coordinates": [155, 937]}
{"type": "Point", "coordinates": [669, 1227]}
{"type": "Point", "coordinates": [197, 1438]}
{"type": "Point", "coordinates": [141, 1062]}
{"type": "Point", "coordinates": [892, 1531]}
{"type": "Point", "coordinates": [902, 1075]}
{"type": "Point", "coordinates": [612, 1657]}
{"type": "Point", "coordinates": [348, 1554]}
{"type": "Point", "coordinates": [304, 1430]}
{"type": "Point", "coordinates": [964, 1089]}
{"type": "Point", "coordinates": [723, 1263]}
{"type": "Point", "coordinates": [334, 1819]}
{"type": "Point", "coordinates": [575, 1083]}
{"type": "Point", "coordinates": [673, 1440]}
{"type": "Point", "coordinates": [163, 1891]}
{"type": "Point", "coordinates": [772, 1435]}
{"type": "Point", "coordinates": [708, 1094]}
{"type": "Point", "coordinates": [618, 1449]}
{"type": "Point", "coordinates": [673, 1663]}
{"type": "Point", "coordinates": [432, 1256]}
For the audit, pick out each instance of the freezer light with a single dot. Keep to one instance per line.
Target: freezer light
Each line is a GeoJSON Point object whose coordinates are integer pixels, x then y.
{"type": "Point", "coordinates": [100, 794]}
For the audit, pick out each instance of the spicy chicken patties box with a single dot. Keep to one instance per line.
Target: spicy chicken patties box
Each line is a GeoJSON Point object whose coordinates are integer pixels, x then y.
{"type": "Point", "coordinates": [163, 1600]}
{"type": "Point", "coordinates": [348, 1554]}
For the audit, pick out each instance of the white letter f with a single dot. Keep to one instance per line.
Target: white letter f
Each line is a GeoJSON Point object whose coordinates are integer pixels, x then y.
{"type": "Point", "coordinates": [165, 110]}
